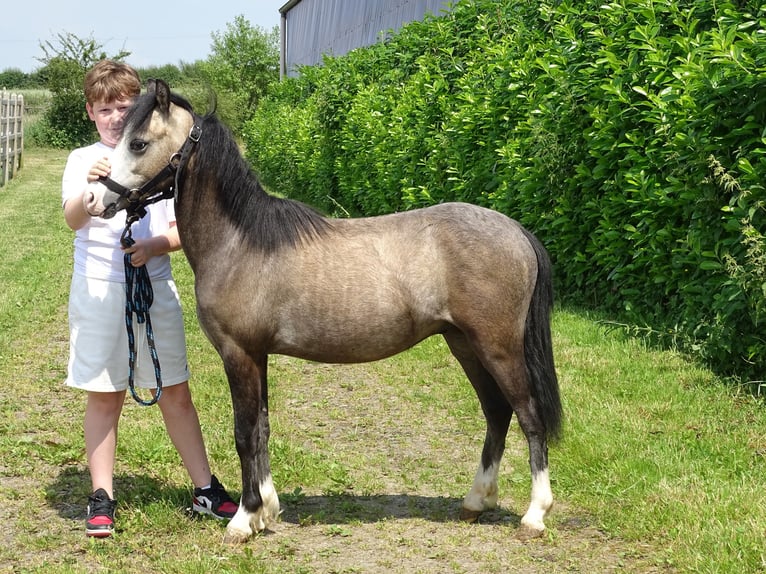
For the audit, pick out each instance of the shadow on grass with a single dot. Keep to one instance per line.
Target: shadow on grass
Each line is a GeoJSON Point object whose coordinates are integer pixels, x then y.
{"type": "Point", "coordinates": [68, 495]}
{"type": "Point", "coordinates": [343, 508]}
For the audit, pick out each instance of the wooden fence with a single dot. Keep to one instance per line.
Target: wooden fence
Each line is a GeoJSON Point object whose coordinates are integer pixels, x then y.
{"type": "Point", "coordinates": [11, 134]}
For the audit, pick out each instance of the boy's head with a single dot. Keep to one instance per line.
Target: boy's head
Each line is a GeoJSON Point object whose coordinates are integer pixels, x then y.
{"type": "Point", "coordinates": [109, 81]}
{"type": "Point", "coordinates": [110, 88]}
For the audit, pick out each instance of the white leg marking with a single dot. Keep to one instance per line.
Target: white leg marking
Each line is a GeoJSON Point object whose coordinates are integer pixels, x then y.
{"type": "Point", "coordinates": [269, 510]}
{"type": "Point", "coordinates": [238, 529]}
{"type": "Point", "coordinates": [483, 493]}
{"type": "Point", "coordinates": [541, 503]}
{"type": "Point", "coordinates": [244, 523]}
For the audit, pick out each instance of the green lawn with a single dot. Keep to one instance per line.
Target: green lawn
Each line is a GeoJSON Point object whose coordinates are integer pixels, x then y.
{"type": "Point", "coordinates": [660, 469]}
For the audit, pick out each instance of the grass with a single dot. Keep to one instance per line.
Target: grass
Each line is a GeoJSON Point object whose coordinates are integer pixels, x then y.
{"type": "Point", "coordinates": [35, 103]}
{"type": "Point", "coordinates": [660, 469]}
{"type": "Point", "coordinates": [672, 454]}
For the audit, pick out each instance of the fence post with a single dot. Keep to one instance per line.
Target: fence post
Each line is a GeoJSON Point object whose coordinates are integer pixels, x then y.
{"type": "Point", "coordinates": [11, 134]}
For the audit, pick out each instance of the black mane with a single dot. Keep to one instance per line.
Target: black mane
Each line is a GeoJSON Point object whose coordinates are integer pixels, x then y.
{"type": "Point", "coordinates": [268, 222]}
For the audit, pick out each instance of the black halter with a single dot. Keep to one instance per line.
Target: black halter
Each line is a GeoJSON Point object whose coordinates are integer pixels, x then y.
{"type": "Point", "coordinates": [151, 192]}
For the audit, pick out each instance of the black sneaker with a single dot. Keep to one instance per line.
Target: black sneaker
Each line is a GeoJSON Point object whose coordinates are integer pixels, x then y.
{"type": "Point", "coordinates": [100, 521]}
{"type": "Point", "coordinates": [214, 501]}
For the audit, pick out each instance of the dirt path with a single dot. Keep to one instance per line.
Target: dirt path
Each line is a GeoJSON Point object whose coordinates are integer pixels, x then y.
{"type": "Point", "coordinates": [408, 453]}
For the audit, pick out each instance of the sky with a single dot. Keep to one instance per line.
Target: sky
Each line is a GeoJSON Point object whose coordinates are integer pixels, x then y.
{"type": "Point", "coordinates": [156, 32]}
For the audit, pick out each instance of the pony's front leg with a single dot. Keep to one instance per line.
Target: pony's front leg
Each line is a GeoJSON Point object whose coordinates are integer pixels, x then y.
{"type": "Point", "coordinates": [245, 522]}
{"type": "Point", "coordinates": [259, 505]}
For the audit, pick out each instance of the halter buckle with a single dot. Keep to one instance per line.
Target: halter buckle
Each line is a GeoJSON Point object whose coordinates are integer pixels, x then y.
{"type": "Point", "coordinates": [195, 132]}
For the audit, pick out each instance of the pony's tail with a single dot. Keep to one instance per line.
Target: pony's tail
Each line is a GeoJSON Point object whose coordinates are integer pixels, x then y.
{"type": "Point", "coordinates": [538, 347]}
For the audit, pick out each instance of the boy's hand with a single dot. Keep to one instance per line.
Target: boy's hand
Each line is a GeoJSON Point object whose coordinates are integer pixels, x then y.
{"type": "Point", "coordinates": [140, 252]}
{"type": "Point", "coordinates": [101, 168]}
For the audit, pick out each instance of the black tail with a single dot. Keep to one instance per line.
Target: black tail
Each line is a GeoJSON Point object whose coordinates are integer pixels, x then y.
{"type": "Point", "coordinates": [538, 347]}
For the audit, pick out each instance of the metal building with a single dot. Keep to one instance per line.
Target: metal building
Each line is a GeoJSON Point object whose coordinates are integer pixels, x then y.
{"type": "Point", "coordinates": [311, 28]}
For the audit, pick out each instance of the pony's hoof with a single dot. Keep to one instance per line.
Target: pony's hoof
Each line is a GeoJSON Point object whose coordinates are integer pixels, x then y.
{"type": "Point", "coordinates": [469, 516]}
{"type": "Point", "coordinates": [235, 538]}
{"type": "Point", "coordinates": [527, 533]}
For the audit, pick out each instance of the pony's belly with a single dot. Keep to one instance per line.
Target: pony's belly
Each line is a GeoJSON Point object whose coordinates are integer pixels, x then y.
{"type": "Point", "coordinates": [335, 344]}
{"type": "Point", "coordinates": [342, 355]}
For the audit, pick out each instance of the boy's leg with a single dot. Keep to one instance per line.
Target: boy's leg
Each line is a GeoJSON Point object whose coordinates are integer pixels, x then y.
{"type": "Point", "coordinates": [102, 414]}
{"type": "Point", "coordinates": [182, 423]}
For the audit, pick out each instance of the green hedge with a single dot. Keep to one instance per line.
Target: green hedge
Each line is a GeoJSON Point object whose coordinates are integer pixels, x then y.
{"type": "Point", "coordinates": [630, 136]}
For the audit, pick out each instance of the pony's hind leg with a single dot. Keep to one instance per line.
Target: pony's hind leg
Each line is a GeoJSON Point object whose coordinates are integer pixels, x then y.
{"type": "Point", "coordinates": [513, 382]}
{"type": "Point", "coordinates": [497, 412]}
{"type": "Point", "coordinates": [503, 389]}
{"type": "Point", "coordinates": [541, 500]}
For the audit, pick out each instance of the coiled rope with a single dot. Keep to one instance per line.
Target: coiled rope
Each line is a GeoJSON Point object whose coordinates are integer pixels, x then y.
{"type": "Point", "coordinates": [139, 297]}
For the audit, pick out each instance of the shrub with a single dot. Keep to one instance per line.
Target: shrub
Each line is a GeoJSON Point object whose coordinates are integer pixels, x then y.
{"type": "Point", "coordinates": [65, 123]}
{"type": "Point", "coordinates": [628, 135]}
{"type": "Point", "coordinates": [244, 60]}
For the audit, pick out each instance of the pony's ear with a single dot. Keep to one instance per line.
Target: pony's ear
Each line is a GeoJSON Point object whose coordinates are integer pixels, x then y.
{"type": "Point", "coordinates": [151, 85]}
{"type": "Point", "coordinates": [162, 93]}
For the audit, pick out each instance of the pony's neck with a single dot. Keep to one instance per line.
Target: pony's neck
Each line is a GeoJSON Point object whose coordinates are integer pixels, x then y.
{"type": "Point", "coordinates": [226, 187]}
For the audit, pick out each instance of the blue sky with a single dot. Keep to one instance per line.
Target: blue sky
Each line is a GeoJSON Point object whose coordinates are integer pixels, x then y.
{"type": "Point", "coordinates": [156, 32]}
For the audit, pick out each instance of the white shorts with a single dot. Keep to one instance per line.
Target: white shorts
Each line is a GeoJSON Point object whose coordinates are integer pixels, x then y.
{"type": "Point", "coordinates": [98, 339]}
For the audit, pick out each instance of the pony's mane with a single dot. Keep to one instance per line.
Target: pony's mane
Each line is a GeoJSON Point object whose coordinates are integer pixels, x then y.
{"type": "Point", "coordinates": [268, 222]}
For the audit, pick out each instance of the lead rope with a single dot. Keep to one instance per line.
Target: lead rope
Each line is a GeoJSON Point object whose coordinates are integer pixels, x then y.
{"type": "Point", "coordinates": [139, 297]}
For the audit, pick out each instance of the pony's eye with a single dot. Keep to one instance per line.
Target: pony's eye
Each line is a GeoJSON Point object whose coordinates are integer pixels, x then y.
{"type": "Point", "coordinates": [138, 146]}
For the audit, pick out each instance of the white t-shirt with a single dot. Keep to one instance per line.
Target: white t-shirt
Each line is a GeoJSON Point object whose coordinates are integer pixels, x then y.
{"type": "Point", "coordinates": [97, 252]}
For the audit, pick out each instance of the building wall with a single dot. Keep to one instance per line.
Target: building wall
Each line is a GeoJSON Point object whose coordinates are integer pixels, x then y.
{"type": "Point", "coordinates": [311, 28]}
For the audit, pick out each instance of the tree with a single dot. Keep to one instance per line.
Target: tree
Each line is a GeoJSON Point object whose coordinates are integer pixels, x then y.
{"type": "Point", "coordinates": [169, 73]}
{"type": "Point", "coordinates": [65, 63]}
{"type": "Point", "coordinates": [12, 78]}
{"type": "Point", "coordinates": [243, 62]}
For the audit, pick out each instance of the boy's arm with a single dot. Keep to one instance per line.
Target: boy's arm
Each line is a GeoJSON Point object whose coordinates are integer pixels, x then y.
{"type": "Point", "coordinates": [166, 242]}
{"type": "Point", "coordinates": [144, 249]}
{"type": "Point", "coordinates": [75, 214]}
{"type": "Point", "coordinates": [75, 211]}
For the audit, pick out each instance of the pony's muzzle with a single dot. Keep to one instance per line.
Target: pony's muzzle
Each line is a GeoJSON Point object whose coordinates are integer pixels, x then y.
{"type": "Point", "coordinates": [101, 202]}
{"type": "Point", "coordinates": [109, 211]}
{"type": "Point", "coordinates": [91, 204]}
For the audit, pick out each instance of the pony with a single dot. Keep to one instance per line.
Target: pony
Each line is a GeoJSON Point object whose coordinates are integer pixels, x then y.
{"type": "Point", "coordinates": [273, 275]}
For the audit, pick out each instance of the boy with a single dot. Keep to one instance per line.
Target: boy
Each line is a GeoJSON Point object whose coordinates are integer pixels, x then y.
{"type": "Point", "coordinates": [98, 361]}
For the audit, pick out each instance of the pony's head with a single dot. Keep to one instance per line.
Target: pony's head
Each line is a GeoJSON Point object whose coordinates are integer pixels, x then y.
{"type": "Point", "coordinates": [158, 129]}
